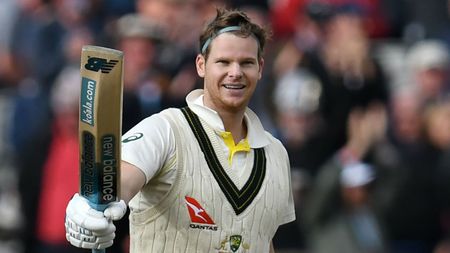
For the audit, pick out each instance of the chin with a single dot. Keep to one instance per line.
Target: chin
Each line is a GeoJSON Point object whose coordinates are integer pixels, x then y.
{"type": "Point", "coordinates": [235, 106]}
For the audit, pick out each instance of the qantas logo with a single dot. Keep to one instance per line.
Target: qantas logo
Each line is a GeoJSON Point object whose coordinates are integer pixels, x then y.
{"type": "Point", "coordinates": [199, 217]}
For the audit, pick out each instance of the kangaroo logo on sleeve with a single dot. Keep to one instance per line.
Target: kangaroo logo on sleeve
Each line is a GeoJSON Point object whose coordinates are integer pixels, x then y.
{"type": "Point", "coordinates": [199, 217]}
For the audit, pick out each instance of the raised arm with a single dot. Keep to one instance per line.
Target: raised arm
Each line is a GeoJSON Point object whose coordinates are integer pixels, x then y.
{"type": "Point", "coordinates": [131, 181]}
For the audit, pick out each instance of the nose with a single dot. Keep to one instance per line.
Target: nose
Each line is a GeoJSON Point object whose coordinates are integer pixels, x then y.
{"type": "Point", "coordinates": [235, 71]}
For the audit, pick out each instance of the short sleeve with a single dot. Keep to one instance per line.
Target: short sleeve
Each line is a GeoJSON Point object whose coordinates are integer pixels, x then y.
{"type": "Point", "coordinates": [149, 145]}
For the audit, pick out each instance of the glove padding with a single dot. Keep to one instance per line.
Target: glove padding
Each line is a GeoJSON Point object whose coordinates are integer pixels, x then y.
{"type": "Point", "coordinates": [91, 229]}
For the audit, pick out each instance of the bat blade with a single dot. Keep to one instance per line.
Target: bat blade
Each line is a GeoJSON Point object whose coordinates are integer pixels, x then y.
{"type": "Point", "coordinates": [100, 125]}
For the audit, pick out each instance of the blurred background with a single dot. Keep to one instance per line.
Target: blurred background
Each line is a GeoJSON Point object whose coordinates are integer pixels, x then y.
{"type": "Point", "coordinates": [357, 90]}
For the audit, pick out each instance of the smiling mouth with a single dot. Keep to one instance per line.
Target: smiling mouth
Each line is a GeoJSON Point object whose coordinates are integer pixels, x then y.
{"type": "Point", "coordinates": [234, 86]}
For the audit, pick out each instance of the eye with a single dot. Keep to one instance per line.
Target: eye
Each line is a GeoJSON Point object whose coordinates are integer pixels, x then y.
{"type": "Point", "coordinates": [222, 61]}
{"type": "Point", "coordinates": [248, 63]}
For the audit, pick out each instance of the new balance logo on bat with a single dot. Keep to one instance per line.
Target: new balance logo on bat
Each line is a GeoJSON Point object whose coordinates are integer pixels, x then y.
{"type": "Point", "coordinates": [95, 64]}
{"type": "Point", "coordinates": [199, 218]}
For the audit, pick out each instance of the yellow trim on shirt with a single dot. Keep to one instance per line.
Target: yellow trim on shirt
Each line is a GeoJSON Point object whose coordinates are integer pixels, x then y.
{"type": "Point", "coordinates": [242, 146]}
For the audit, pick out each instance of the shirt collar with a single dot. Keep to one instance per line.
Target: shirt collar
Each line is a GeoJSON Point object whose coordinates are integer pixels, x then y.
{"type": "Point", "coordinates": [255, 131]}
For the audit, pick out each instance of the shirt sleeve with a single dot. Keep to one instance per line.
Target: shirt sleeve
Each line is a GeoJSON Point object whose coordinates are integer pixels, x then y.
{"type": "Point", "coordinates": [149, 145]}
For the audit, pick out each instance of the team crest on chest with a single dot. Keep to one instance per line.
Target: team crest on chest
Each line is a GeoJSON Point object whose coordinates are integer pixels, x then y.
{"type": "Point", "coordinates": [232, 244]}
{"type": "Point", "coordinates": [199, 217]}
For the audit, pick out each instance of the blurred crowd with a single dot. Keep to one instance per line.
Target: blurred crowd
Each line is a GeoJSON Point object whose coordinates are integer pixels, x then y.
{"type": "Point", "coordinates": [357, 90]}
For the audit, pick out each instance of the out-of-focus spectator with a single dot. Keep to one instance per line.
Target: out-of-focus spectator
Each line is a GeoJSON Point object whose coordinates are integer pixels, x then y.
{"type": "Point", "coordinates": [60, 167]}
{"type": "Point", "coordinates": [137, 36]}
{"type": "Point", "coordinates": [410, 161]}
{"type": "Point", "coordinates": [296, 99]}
{"type": "Point", "coordinates": [405, 118]}
{"type": "Point", "coordinates": [437, 131]}
{"type": "Point", "coordinates": [339, 214]}
{"type": "Point", "coordinates": [428, 64]}
{"type": "Point", "coordinates": [407, 165]}
{"type": "Point", "coordinates": [299, 124]}
{"type": "Point", "coordinates": [335, 56]}
{"type": "Point", "coordinates": [349, 75]}
{"type": "Point", "coordinates": [437, 124]}
{"type": "Point", "coordinates": [51, 168]}
{"type": "Point", "coordinates": [144, 83]}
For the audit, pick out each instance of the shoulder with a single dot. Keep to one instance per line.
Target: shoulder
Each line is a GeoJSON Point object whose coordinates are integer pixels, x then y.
{"type": "Point", "coordinates": [155, 127]}
{"type": "Point", "coordinates": [159, 120]}
{"type": "Point", "coordinates": [275, 143]}
{"type": "Point", "coordinates": [151, 123]}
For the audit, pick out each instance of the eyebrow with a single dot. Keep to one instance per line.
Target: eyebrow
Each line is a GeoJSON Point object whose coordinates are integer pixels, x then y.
{"type": "Point", "coordinates": [240, 60]}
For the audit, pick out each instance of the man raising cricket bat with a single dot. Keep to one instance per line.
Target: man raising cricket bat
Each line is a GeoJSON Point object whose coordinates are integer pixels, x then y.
{"type": "Point", "coordinates": [206, 177]}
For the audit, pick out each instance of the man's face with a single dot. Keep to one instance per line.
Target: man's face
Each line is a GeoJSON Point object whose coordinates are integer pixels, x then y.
{"type": "Point", "coordinates": [230, 73]}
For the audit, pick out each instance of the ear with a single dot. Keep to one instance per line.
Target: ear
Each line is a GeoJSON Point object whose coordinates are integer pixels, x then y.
{"type": "Point", "coordinates": [200, 63]}
{"type": "Point", "coordinates": [261, 67]}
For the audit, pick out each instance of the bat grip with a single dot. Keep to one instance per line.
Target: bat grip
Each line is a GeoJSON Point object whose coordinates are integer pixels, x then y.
{"type": "Point", "coordinates": [101, 208]}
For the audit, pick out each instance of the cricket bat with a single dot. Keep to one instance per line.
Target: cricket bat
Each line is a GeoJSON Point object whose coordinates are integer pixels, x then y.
{"type": "Point", "coordinates": [100, 125]}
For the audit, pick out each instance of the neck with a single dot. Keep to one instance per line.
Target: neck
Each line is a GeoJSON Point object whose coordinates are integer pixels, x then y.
{"type": "Point", "coordinates": [234, 123]}
{"type": "Point", "coordinates": [232, 119]}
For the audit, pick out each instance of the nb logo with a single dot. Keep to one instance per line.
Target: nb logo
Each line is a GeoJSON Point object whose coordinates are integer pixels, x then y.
{"type": "Point", "coordinates": [95, 64]}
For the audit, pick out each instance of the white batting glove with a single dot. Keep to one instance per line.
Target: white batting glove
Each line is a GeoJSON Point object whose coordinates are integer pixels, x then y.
{"type": "Point", "coordinates": [91, 229]}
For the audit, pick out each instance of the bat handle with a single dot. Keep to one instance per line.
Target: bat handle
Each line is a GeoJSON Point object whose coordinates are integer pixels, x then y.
{"type": "Point", "coordinates": [98, 208]}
